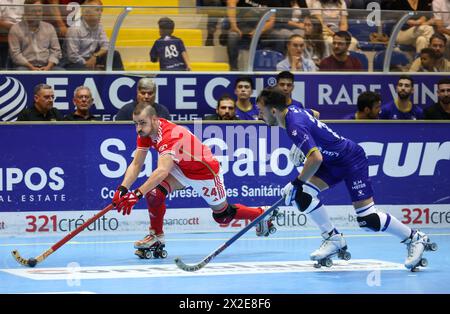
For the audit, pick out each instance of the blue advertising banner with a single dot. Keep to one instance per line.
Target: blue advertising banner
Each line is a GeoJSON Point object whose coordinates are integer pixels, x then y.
{"type": "Point", "coordinates": [189, 96]}
{"type": "Point", "coordinates": [62, 167]}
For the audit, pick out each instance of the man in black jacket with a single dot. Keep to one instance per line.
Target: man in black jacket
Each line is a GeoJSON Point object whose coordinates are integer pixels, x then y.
{"type": "Point", "coordinates": [42, 109]}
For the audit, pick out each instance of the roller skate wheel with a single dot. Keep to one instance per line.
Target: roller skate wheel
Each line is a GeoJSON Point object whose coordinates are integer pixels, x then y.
{"type": "Point", "coordinates": [326, 262]}
{"type": "Point", "coordinates": [317, 265]}
{"type": "Point", "coordinates": [148, 254]}
{"type": "Point", "coordinates": [346, 256]}
{"type": "Point", "coordinates": [163, 254]}
{"type": "Point", "coordinates": [272, 230]}
{"type": "Point", "coordinates": [423, 262]}
{"type": "Point", "coordinates": [433, 246]}
{"type": "Point", "coordinates": [139, 254]}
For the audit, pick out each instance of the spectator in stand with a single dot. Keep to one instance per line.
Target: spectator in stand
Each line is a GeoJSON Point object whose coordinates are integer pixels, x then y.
{"type": "Point", "coordinates": [214, 15]}
{"type": "Point", "coordinates": [62, 14]}
{"type": "Point", "coordinates": [402, 108]}
{"type": "Point", "coordinates": [428, 60]}
{"type": "Point", "coordinates": [441, 109]}
{"type": "Point", "coordinates": [340, 60]}
{"type": "Point", "coordinates": [42, 109]}
{"type": "Point", "coordinates": [416, 32]}
{"type": "Point", "coordinates": [169, 50]}
{"type": "Point", "coordinates": [334, 18]}
{"type": "Point", "coordinates": [315, 46]}
{"type": "Point", "coordinates": [437, 43]}
{"type": "Point", "coordinates": [368, 107]}
{"type": "Point", "coordinates": [225, 110]}
{"type": "Point", "coordinates": [243, 89]}
{"type": "Point", "coordinates": [82, 99]}
{"type": "Point", "coordinates": [33, 44]}
{"type": "Point", "coordinates": [295, 59]}
{"type": "Point", "coordinates": [146, 92]}
{"type": "Point", "coordinates": [11, 12]}
{"type": "Point", "coordinates": [87, 44]}
{"type": "Point", "coordinates": [442, 20]}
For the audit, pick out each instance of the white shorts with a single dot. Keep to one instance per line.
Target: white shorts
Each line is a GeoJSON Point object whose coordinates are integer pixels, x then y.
{"type": "Point", "coordinates": [212, 190]}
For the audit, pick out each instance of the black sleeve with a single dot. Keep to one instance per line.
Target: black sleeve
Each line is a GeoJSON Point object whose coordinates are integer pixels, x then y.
{"type": "Point", "coordinates": [23, 115]}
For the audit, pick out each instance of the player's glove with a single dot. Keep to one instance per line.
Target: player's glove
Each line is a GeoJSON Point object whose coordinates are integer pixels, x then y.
{"type": "Point", "coordinates": [291, 189]}
{"type": "Point", "coordinates": [120, 192]}
{"type": "Point", "coordinates": [128, 201]}
{"type": "Point", "coordinates": [296, 156]}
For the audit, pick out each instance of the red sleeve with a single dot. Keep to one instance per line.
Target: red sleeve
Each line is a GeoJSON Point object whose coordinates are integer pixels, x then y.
{"type": "Point", "coordinates": [143, 143]}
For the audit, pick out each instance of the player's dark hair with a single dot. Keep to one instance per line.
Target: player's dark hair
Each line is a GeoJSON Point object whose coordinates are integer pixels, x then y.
{"type": "Point", "coordinates": [442, 81]}
{"type": "Point", "coordinates": [225, 97]}
{"type": "Point", "coordinates": [367, 100]}
{"type": "Point", "coordinates": [244, 79]}
{"type": "Point", "coordinates": [272, 98]}
{"type": "Point", "coordinates": [144, 107]}
{"type": "Point", "coordinates": [438, 36]}
{"type": "Point", "coordinates": [166, 25]}
{"type": "Point", "coordinates": [406, 77]}
{"type": "Point", "coordinates": [285, 75]}
{"type": "Point", "coordinates": [344, 34]}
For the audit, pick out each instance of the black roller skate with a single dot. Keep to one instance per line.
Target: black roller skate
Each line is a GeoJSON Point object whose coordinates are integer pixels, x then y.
{"type": "Point", "coordinates": [332, 245]}
{"type": "Point", "coordinates": [416, 245]}
{"type": "Point", "coordinates": [151, 246]}
{"type": "Point", "coordinates": [266, 226]}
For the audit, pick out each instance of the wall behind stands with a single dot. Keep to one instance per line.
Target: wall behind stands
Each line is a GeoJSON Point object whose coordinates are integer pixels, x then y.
{"type": "Point", "coordinates": [53, 177]}
{"type": "Point", "coordinates": [191, 95]}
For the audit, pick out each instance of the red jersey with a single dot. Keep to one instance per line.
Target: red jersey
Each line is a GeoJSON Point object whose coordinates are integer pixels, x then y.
{"type": "Point", "coordinates": [195, 160]}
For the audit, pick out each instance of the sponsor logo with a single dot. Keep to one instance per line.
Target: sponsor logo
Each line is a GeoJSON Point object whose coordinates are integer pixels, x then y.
{"type": "Point", "coordinates": [213, 269]}
{"type": "Point", "coordinates": [13, 98]}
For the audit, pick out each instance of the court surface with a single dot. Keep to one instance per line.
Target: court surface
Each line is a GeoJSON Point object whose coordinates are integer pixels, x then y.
{"type": "Point", "coordinates": [278, 264]}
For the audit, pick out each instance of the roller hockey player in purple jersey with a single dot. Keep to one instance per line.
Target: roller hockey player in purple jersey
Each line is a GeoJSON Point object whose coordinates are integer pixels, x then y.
{"type": "Point", "coordinates": [329, 159]}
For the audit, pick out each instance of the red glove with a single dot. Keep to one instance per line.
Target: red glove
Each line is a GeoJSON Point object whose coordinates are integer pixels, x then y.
{"type": "Point", "coordinates": [128, 201]}
{"type": "Point", "coordinates": [120, 192]}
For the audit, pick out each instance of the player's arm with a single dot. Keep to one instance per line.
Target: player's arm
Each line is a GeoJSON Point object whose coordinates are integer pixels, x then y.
{"type": "Point", "coordinates": [313, 161]}
{"type": "Point", "coordinates": [165, 165]}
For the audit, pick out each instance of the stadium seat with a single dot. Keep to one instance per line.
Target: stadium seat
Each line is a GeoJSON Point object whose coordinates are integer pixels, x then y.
{"type": "Point", "coordinates": [196, 66]}
{"type": "Point", "coordinates": [147, 36]}
{"type": "Point", "coordinates": [266, 60]}
{"type": "Point", "coordinates": [361, 30]}
{"type": "Point", "coordinates": [399, 59]}
{"type": "Point", "coordinates": [362, 57]}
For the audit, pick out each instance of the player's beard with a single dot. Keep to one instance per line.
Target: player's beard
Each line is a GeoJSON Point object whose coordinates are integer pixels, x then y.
{"type": "Point", "coordinates": [444, 100]}
{"type": "Point", "coordinates": [404, 95]}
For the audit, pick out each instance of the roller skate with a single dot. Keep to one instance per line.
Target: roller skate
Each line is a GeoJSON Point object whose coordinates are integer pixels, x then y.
{"type": "Point", "coordinates": [266, 226]}
{"type": "Point", "coordinates": [416, 244]}
{"type": "Point", "coordinates": [333, 244]}
{"type": "Point", "coordinates": [151, 246]}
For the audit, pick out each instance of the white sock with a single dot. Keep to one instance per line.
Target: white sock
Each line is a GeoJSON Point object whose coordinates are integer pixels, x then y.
{"type": "Point", "coordinates": [320, 217]}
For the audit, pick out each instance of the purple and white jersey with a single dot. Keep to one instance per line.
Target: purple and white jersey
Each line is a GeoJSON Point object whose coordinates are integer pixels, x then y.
{"type": "Point", "coordinates": [168, 51]}
{"type": "Point", "coordinates": [310, 134]}
{"type": "Point", "coordinates": [252, 114]}
{"type": "Point", "coordinates": [391, 112]}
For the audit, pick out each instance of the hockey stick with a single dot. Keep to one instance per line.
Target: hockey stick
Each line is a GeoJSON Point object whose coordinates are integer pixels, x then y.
{"type": "Point", "coordinates": [31, 262]}
{"type": "Point", "coordinates": [221, 248]}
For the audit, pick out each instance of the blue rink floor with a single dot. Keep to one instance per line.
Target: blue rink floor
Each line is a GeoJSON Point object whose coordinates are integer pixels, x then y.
{"type": "Point", "coordinates": [274, 265]}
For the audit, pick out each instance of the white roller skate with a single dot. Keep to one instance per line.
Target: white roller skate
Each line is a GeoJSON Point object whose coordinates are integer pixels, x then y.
{"type": "Point", "coordinates": [332, 245]}
{"type": "Point", "coordinates": [416, 245]}
{"type": "Point", "coordinates": [151, 246]}
{"type": "Point", "coordinates": [266, 226]}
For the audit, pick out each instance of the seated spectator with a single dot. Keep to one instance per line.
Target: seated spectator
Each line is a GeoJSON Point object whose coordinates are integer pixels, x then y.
{"type": "Point", "coordinates": [295, 59]}
{"type": "Point", "coordinates": [214, 15]}
{"type": "Point", "coordinates": [333, 16]}
{"type": "Point", "coordinates": [11, 12]}
{"type": "Point", "coordinates": [243, 89]}
{"type": "Point", "coordinates": [428, 60]}
{"type": "Point", "coordinates": [169, 50]}
{"type": "Point", "coordinates": [82, 99]}
{"type": "Point", "coordinates": [33, 44]}
{"type": "Point", "coordinates": [402, 108]}
{"type": "Point", "coordinates": [146, 92]}
{"type": "Point", "coordinates": [340, 60]}
{"type": "Point", "coordinates": [441, 9]}
{"type": "Point", "coordinates": [42, 109]}
{"type": "Point", "coordinates": [225, 110]}
{"type": "Point", "coordinates": [441, 109]}
{"type": "Point", "coordinates": [437, 44]}
{"type": "Point", "coordinates": [368, 107]}
{"type": "Point", "coordinates": [315, 46]}
{"type": "Point", "coordinates": [415, 32]}
{"type": "Point", "coordinates": [86, 44]}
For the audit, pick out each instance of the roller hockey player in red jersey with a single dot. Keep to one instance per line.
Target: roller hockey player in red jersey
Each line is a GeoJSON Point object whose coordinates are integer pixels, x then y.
{"type": "Point", "coordinates": [183, 161]}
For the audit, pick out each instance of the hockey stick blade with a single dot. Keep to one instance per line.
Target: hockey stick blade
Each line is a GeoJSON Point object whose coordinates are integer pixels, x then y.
{"type": "Point", "coordinates": [191, 268]}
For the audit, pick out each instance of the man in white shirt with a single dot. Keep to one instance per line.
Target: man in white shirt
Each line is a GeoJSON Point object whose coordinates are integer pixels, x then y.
{"type": "Point", "coordinates": [11, 12]}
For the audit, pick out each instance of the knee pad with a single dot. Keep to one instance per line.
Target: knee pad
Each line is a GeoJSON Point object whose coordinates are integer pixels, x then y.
{"type": "Point", "coordinates": [156, 197]}
{"type": "Point", "coordinates": [225, 216]}
{"type": "Point", "coordinates": [371, 222]}
{"type": "Point", "coordinates": [307, 200]}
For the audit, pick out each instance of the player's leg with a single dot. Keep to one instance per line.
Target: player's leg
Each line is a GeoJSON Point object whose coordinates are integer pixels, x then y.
{"type": "Point", "coordinates": [308, 203]}
{"type": "Point", "coordinates": [156, 204]}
